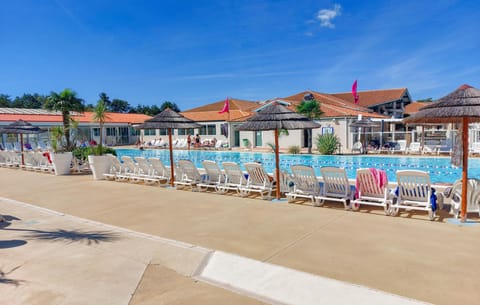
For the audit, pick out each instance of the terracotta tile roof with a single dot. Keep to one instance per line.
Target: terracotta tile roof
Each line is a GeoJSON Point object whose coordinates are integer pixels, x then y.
{"type": "Point", "coordinates": [414, 107]}
{"type": "Point", "coordinates": [333, 106]}
{"type": "Point", "coordinates": [373, 97]}
{"type": "Point", "coordinates": [86, 117]}
{"type": "Point", "coordinates": [238, 109]}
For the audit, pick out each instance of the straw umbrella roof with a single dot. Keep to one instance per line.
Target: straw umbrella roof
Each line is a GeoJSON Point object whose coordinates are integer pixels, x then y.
{"type": "Point", "coordinates": [21, 127]}
{"type": "Point", "coordinates": [364, 123]}
{"type": "Point", "coordinates": [461, 103]}
{"type": "Point", "coordinates": [276, 116]}
{"type": "Point", "coordinates": [168, 119]}
{"type": "Point", "coordinates": [460, 106]}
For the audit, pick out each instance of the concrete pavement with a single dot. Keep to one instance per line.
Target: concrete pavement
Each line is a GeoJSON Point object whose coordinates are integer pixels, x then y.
{"type": "Point", "coordinates": [408, 255]}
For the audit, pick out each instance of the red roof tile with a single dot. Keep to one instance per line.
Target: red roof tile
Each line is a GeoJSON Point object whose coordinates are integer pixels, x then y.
{"type": "Point", "coordinates": [333, 106]}
{"type": "Point", "coordinates": [86, 117]}
{"type": "Point", "coordinates": [414, 107]}
{"type": "Point", "coordinates": [238, 109]}
{"type": "Point", "coordinates": [373, 97]}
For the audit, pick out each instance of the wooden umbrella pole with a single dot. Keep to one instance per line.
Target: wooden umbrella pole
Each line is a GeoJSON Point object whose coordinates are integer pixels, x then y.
{"type": "Point", "coordinates": [21, 148]}
{"type": "Point", "coordinates": [463, 213]}
{"type": "Point", "coordinates": [277, 164]}
{"type": "Point", "coordinates": [172, 165]}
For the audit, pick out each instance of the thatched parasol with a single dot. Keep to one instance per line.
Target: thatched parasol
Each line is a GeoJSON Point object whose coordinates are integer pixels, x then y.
{"type": "Point", "coordinates": [21, 127]}
{"type": "Point", "coordinates": [460, 106]}
{"type": "Point", "coordinates": [364, 123]}
{"type": "Point", "coordinates": [275, 117]}
{"type": "Point", "coordinates": [169, 119]}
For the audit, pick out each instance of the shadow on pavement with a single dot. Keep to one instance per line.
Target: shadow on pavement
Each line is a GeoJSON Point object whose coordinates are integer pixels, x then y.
{"type": "Point", "coordinates": [4, 244]}
{"type": "Point", "coordinates": [8, 281]}
{"type": "Point", "coordinates": [6, 220]}
{"type": "Point", "coordinates": [88, 237]}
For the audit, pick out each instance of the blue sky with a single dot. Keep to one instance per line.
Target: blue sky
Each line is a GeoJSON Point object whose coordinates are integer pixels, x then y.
{"type": "Point", "coordinates": [197, 52]}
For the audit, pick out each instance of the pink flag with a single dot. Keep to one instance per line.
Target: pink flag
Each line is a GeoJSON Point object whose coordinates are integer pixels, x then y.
{"type": "Point", "coordinates": [225, 107]}
{"type": "Point", "coordinates": [354, 92]}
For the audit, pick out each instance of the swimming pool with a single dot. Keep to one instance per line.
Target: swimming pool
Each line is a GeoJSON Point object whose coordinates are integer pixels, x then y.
{"type": "Point", "coordinates": [439, 167]}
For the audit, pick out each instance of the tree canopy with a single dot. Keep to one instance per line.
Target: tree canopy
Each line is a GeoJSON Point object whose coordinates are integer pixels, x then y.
{"type": "Point", "coordinates": [65, 102]}
{"type": "Point", "coordinates": [311, 109]}
{"type": "Point", "coordinates": [38, 101]}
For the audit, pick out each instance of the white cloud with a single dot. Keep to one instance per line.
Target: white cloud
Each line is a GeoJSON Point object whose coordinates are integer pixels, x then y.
{"type": "Point", "coordinates": [325, 16]}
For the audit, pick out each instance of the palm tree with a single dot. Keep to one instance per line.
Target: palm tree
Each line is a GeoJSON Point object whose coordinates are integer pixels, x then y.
{"type": "Point", "coordinates": [106, 100]}
{"type": "Point", "coordinates": [100, 116]}
{"type": "Point", "coordinates": [311, 109]}
{"type": "Point", "coordinates": [65, 102]}
{"type": "Point", "coordinates": [170, 105]}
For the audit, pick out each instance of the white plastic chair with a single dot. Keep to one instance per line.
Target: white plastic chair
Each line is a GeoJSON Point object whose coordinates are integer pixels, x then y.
{"type": "Point", "coordinates": [336, 186]}
{"type": "Point", "coordinates": [357, 147]}
{"type": "Point", "coordinates": [414, 148]}
{"type": "Point", "coordinates": [145, 171]}
{"type": "Point", "coordinates": [305, 183]}
{"type": "Point", "coordinates": [414, 192]}
{"type": "Point", "coordinates": [129, 170]}
{"type": "Point", "coordinates": [234, 178]}
{"type": "Point", "coordinates": [160, 171]}
{"type": "Point", "coordinates": [370, 193]}
{"type": "Point", "coordinates": [214, 176]}
{"type": "Point", "coordinates": [258, 181]}
{"type": "Point", "coordinates": [190, 176]}
{"type": "Point", "coordinates": [473, 197]}
{"type": "Point", "coordinates": [115, 168]}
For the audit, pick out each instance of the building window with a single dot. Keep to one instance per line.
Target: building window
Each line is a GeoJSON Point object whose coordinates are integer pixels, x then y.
{"type": "Point", "coordinates": [149, 132]}
{"type": "Point", "coordinates": [163, 131]}
{"type": "Point", "coordinates": [212, 129]}
{"type": "Point", "coordinates": [186, 131]}
{"type": "Point", "coordinates": [134, 132]}
{"type": "Point", "coordinates": [208, 130]}
{"type": "Point", "coordinates": [111, 131]}
{"type": "Point", "coordinates": [96, 132]}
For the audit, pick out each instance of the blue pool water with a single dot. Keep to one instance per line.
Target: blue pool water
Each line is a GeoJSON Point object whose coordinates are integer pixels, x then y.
{"type": "Point", "coordinates": [439, 167]}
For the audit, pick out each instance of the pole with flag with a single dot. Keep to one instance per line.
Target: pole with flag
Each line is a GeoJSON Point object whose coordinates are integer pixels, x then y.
{"type": "Point", "coordinates": [354, 92]}
{"type": "Point", "coordinates": [226, 108]}
{"type": "Point", "coordinates": [355, 100]}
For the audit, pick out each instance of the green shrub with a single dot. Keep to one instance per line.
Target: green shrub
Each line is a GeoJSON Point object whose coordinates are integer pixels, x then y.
{"type": "Point", "coordinates": [82, 153]}
{"type": "Point", "coordinates": [294, 149]}
{"type": "Point", "coordinates": [328, 144]}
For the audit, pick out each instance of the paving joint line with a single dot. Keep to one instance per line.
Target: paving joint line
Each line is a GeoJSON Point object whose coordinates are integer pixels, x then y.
{"type": "Point", "coordinates": [306, 235]}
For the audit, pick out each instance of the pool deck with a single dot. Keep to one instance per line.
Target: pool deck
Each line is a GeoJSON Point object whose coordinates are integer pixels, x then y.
{"type": "Point", "coordinates": [435, 262]}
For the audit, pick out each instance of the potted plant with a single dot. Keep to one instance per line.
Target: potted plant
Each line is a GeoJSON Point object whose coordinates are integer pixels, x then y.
{"type": "Point", "coordinates": [64, 102]}
{"type": "Point", "coordinates": [61, 159]}
{"type": "Point", "coordinates": [98, 161]}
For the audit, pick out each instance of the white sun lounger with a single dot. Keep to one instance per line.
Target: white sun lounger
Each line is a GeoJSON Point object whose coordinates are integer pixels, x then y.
{"type": "Point", "coordinates": [370, 193]}
{"type": "Point", "coordinates": [129, 170]}
{"type": "Point", "coordinates": [190, 176]}
{"type": "Point", "coordinates": [115, 168]}
{"type": "Point", "coordinates": [473, 197]}
{"type": "Point", "coordinates": [336, 186]}
{"type": "Point", "coordinates": [234, 178]}
{"type": "Point", "coordinates": [258, 181]}
{"type": "Point", "coordinates": [214, 177]}
{"type": "Point", "coordinates": [160, 170]}
{"type": "Point", "coordinates": [414, 192]}
{"type": "Point", "coordinates": [306, 184]}
{"type": "Point", "coordinates": [145, 172]}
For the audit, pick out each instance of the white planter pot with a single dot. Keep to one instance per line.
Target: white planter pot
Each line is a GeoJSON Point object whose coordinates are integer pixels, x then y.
{"type": "Point", "coordinates": [99, 165]}
{"type": "Point", "coordinates": [61, 163]}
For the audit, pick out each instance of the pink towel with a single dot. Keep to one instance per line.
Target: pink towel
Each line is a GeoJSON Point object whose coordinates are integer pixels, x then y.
{"type": "Point", "coordinates": [380, 177]}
